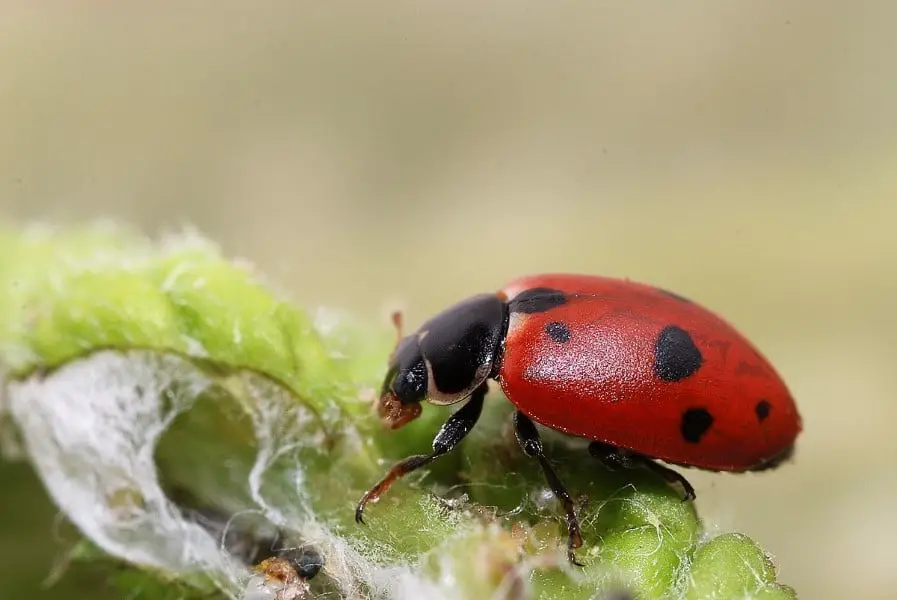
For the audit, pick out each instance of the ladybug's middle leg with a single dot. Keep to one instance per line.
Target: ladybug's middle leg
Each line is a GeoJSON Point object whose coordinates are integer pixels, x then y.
{"type": "Point", "coordinates": [452, 432]}
{"type": "Point", "coordinates": [612, 457]}
{"type": "Point", "coordinates": [529, 440]}
{"type": "Point", "coordinates": [617, 458]}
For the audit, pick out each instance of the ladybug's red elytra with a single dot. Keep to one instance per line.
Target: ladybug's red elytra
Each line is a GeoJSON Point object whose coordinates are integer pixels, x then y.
{"type": "Point", "coordinates": [641, 372]}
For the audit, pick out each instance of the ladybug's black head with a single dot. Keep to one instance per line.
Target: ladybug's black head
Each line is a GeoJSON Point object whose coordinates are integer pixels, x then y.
{"type": "Point", "coordinates": [445, 360]}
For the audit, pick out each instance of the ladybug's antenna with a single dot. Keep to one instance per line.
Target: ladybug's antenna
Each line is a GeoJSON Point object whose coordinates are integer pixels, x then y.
{"type": "Point", "coordinates": [397, 322]}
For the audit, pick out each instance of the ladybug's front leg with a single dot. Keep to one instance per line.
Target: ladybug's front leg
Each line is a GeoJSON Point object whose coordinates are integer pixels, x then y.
{"type": "Point", "coordinates": [452, 432]}
{"type": "Point", "coordinates": [529, 440]}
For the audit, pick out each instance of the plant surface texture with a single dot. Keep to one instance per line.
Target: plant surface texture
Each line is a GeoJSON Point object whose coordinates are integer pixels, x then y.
{"type": "Point", "coordinates": [209, 438]}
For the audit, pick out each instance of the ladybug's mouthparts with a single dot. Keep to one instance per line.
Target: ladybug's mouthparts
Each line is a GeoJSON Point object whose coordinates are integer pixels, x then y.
{"type": "Point", "coordinates": [393, 413]}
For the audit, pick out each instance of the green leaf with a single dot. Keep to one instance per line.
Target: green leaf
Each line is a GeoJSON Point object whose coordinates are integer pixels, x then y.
{"type": "Point", "coordinates": [130, 581]}
{"type": "Point", "coordinates": [278, 423]}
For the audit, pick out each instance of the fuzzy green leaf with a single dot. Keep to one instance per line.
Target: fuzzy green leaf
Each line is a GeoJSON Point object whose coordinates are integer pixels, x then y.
{"type": "Point", "coordinates": [278, 422]}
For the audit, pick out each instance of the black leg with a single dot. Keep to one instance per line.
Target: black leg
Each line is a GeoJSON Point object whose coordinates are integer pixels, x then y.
{"type": "Point", "coordinates": [453, 431]}
{"type": "Point", "coordinates": [529, 440]}
{"type": "Point", "coordinates": [615, 458]}
{"type": "Point", "coordinates": [612, 457]}
{"type": "Point", "coordinates": [673, 477]}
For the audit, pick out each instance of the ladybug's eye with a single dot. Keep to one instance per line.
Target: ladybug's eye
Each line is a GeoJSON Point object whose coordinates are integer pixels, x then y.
{"type": "Point", "coordinates": [410, 384]}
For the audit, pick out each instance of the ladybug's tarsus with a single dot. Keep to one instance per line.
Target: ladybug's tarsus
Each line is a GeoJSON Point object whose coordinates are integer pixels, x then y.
{"type": "Point", "coordinates": [671, 476]}
{"type": "Point", "coordinates": [452, 432]}
{"type": "Point", "coordinates": [529, 440]}
{"type": "Point", "coordinates": [616, 458]}
{"type": "Point", "coordinates": [400, 469]}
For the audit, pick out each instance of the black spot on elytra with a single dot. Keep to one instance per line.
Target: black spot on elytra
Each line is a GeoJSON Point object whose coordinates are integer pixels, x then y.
{"type": "Point", "coordinates": [695, 423]}
{"type": "Point", "coordinates": [674, 295]}
{"type": "Point", "coordinates": [558, 332]}
{"type": "Point", "coordinates": [675, 354]}
{"type": "Point", "coordinates": [537, 300]}
{"type": "Point", "coordinates": [762, 409]}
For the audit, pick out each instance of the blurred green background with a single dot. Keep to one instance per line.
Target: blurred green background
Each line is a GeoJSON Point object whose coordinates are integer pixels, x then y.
{"type": "Point", "coordinates": [379, 155]}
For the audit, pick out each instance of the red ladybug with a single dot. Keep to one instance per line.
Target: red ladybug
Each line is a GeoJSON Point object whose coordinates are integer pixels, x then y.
{"type": "Point", "coordinates": [643, 373]}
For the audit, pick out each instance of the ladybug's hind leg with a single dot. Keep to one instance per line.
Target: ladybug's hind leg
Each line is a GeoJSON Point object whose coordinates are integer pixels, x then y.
{"type": "Point", "coordinates": [671, 476]}
{"type": "Point", "coordinates": [529, 440]}
{"type": "Point", "coordinates": [616, 458]}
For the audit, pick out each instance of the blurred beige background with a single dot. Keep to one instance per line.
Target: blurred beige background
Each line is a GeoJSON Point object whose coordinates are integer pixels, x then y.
{"type": "Point", "coordinates": [368, 155]}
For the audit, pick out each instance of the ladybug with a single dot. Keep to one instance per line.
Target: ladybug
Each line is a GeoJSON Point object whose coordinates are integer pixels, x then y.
{"type": "Point", "coordinates": [643, 373]}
